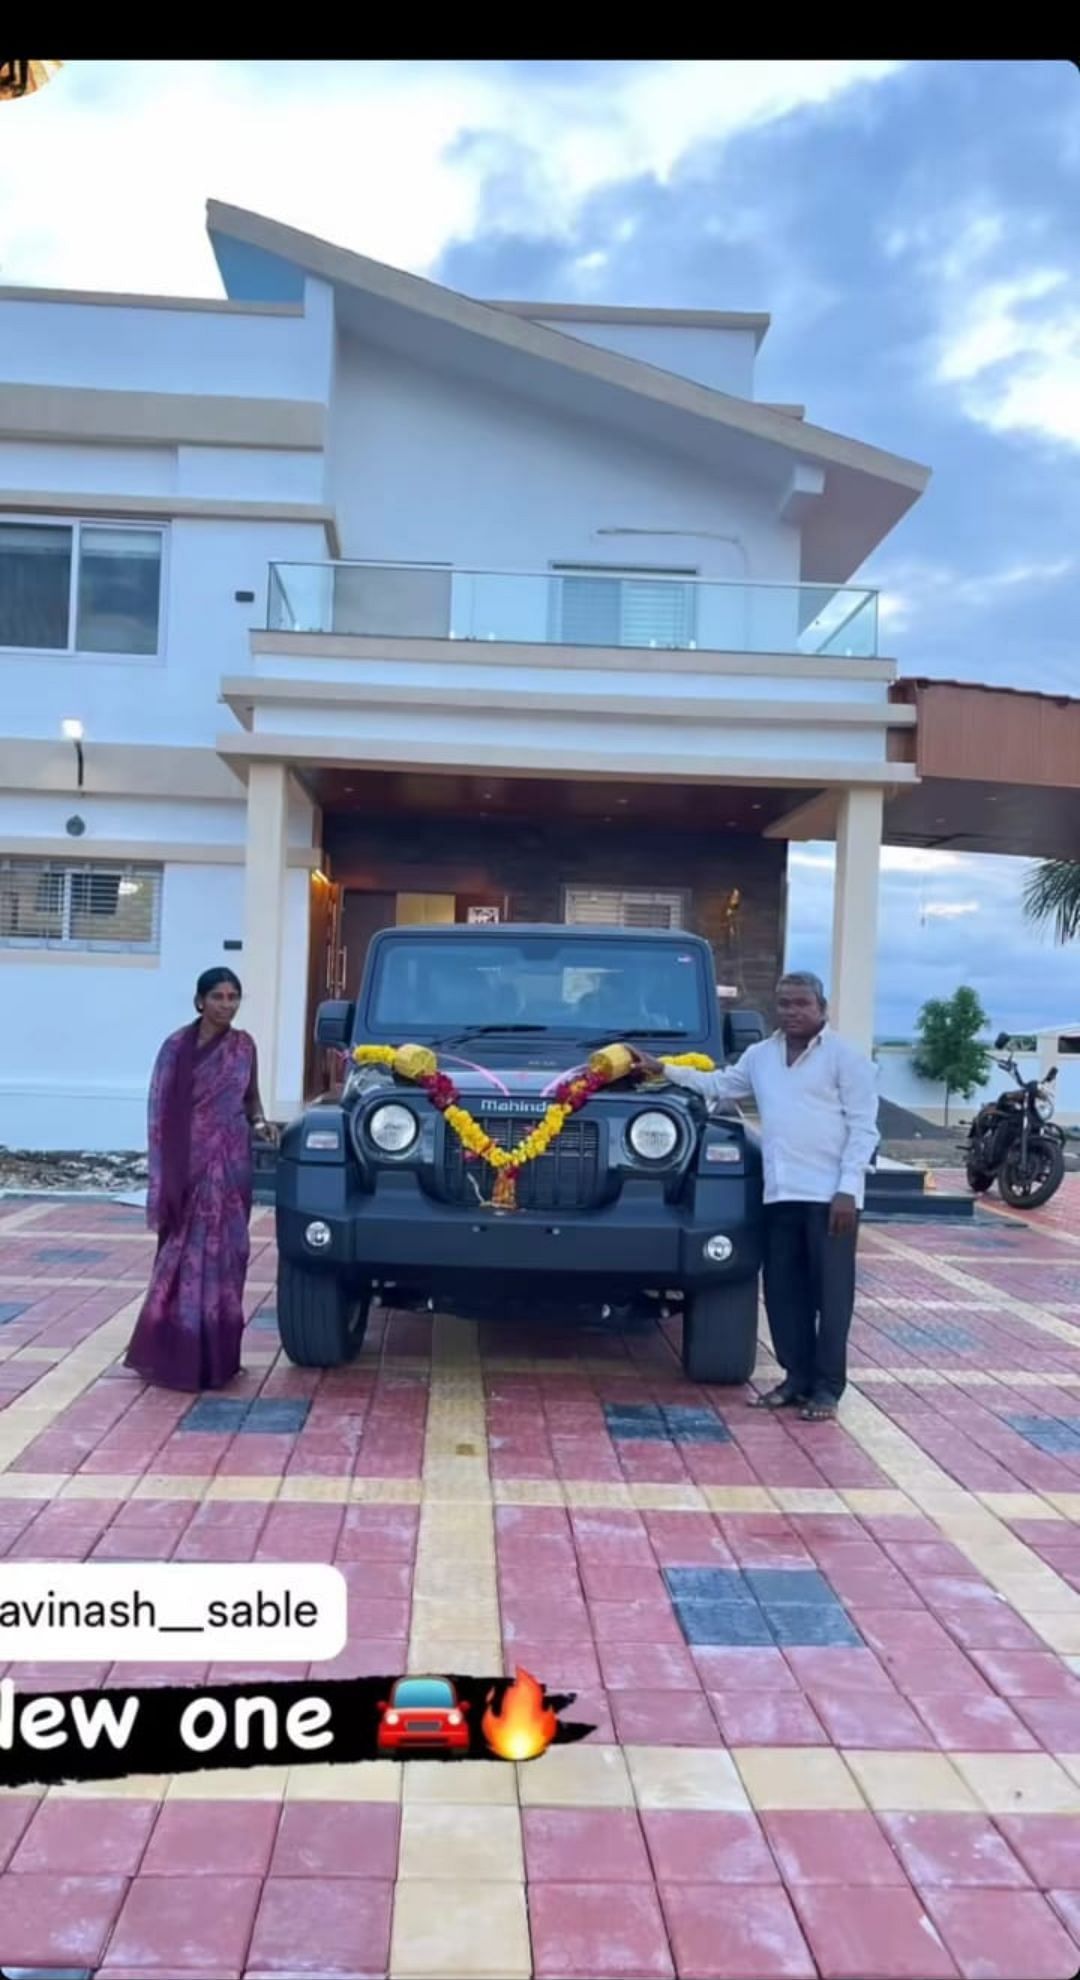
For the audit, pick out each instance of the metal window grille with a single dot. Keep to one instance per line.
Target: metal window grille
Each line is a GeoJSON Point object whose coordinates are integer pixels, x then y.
{"type": "Point", "coordinates": [82, 905]}
{"type": "Point", "coordinates": [624, 907]}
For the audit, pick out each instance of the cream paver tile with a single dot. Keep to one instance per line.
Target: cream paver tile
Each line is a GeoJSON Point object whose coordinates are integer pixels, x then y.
{"type": "Point", "coordinates": [576, 1777]}
{"type": "Point", "coordinates": [796, 1777]}
{"type": "Point", "coordinates": [1020, 1783]}
{"type": "Point", "coordinates": [910, 1783]}
{"type": "Point", "coordinates": [465, 1931]}
{"type": "Point", "coordinates": [461, 1841]}
{"type": "Point", "coordinates": [352, 1780]}
{"type": "Point", "coordinates": [685, 1777]}
{"type": "Point", "coordinates": [471, 1784]}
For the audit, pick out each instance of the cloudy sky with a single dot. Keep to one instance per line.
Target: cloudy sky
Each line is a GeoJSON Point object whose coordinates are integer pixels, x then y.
{"type": "Point", "coordinates": [911, 227]}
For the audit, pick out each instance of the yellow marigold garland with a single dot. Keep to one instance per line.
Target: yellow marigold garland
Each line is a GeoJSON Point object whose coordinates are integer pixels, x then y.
{"type": "Point", "coordinates": [419, 1065]}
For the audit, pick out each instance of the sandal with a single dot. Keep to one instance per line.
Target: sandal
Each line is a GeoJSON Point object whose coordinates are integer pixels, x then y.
{"type": "Point", "coordinates": [782, 1397]}
{"type": "Point", "coordinates": [820, 1411]}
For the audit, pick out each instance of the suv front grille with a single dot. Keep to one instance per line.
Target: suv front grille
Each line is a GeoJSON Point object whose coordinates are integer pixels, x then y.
{"type": "Point", "coordinates": [566, 1178]}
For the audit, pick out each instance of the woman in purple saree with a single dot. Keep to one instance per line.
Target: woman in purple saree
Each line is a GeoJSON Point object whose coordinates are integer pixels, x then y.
{"type": "Point", "coordinates": [204, 1103]}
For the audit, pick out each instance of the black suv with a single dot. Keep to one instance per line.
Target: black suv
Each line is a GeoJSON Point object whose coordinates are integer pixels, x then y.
{"type": "Point", "coordinates": [643, 1199]}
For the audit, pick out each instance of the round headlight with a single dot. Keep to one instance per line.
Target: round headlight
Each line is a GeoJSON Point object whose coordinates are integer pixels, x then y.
{"type": "Point", "coordinates": [1044, 1105]}
{"type": "Point", "coordinates": [393, 1129]}
{"type": "Point", "coordinates": [653, 1136]}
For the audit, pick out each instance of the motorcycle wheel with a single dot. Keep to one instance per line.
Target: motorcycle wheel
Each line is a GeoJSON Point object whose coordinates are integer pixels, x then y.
{"type": "Point", "coordinates": [978, 1180]}
{"type": "Point", "coordinates": [1041, 1178]}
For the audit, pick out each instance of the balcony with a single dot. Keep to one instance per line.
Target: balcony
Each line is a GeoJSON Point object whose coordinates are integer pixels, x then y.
{"type": "Point", "coordinates": [573, 606]}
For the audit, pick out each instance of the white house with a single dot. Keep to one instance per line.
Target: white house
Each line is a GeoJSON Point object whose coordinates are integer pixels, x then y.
{"type": "Point", "coordinates": [348, 600]}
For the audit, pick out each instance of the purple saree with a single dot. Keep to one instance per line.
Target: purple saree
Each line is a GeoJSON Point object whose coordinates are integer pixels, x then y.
{"type": "Point", "coordinates": [199, 1202]}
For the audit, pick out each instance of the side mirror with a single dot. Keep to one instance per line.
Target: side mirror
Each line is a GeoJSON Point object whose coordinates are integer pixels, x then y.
{"type": "Point", "coordinates": [334, 1023]}
{"type": "Point", "coordinates": [742, 1028]}
{"type": "Point", "coordinates": [464, 1705]}
{"type": "Point", "coordinates": [1051, 1075]}
{"type": "Point", "coordinates": [382, 1705]}
{"type": "Point", "coordinates": [1001, 1041]}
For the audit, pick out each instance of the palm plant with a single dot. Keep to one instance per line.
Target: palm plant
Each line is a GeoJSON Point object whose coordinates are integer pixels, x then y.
{"type": "Point", "coordinates": [1052, 895]}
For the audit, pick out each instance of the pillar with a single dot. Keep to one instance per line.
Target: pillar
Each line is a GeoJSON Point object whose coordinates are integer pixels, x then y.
{"type": "Point", "coordinates": [855, 914]}
{"type": "Point", "coordinates": [264, 918]}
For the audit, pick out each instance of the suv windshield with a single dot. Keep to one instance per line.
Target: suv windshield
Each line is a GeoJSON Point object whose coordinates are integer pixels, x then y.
{"type": "Point", "coordinates": [557, 983]}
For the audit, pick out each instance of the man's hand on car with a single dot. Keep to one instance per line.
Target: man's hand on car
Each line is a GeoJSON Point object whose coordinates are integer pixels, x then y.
{"type": "Point", "coordinates": [843, 1212]}
{"type": "Point", "coordinates": [645, 1063]}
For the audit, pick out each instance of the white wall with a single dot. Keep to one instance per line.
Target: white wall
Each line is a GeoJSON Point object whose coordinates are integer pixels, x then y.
{"type": "Point", "coordinates": [436, 471]}
{"type": "Point", "coordinates": [721, 359]}
{"type": "Point", "coordinates": [899, 1082]}
{"type": "Point", "coordinates": [172, 698]}
{"type": "Point", "coordinates": [78, 1038]}
{"type": "Point", "coordinates": [128, 348]}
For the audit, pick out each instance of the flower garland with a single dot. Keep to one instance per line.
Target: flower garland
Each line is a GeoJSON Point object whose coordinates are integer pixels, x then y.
{"type": "Point", "coordinates": [419, 1065]}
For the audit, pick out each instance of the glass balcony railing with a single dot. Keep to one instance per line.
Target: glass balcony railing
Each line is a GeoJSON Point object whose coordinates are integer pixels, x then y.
{"type": "Point", "coordinates": [641, 610]}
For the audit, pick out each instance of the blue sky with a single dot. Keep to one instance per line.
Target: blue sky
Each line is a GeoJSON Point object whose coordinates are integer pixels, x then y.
{"type": "Point", "coordinates": [911, 227]}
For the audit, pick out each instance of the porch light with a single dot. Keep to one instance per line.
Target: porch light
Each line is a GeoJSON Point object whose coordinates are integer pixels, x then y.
{"type": "Point", "coordinates": [72, 731]}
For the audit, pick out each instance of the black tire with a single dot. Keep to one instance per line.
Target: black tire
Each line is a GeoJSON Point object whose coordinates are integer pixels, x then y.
{"type": "Point", "coordinates": [1046, 1166]}
{"type": "Point", "coordinates": [720, 1331]}
{"type": "Point", "coordinates": [977, 1179]}
{"type": "Point", "coordinates": [321, 1321]}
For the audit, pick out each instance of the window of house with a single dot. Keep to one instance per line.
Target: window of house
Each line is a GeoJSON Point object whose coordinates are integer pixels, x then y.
{"type": "Point", "coordinates": [624, 907]}
{"type": "Point", "coordinates": [80, 587]}
{"type": "Point", "coordinates": [56, 904]}
{"type": "Point", "coordinates": [603, 607]}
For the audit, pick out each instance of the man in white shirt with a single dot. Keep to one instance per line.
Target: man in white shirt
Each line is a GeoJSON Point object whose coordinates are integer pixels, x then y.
{"type": "Point", "coordinates": [817, 1101]}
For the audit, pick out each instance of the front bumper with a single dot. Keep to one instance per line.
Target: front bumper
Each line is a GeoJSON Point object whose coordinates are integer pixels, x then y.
{"type": "Point", "coordinates": [397, 1231]}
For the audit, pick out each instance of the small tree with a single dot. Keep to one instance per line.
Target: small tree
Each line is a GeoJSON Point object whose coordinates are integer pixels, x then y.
{"type": "Point", "coordinates": [948, 1049]}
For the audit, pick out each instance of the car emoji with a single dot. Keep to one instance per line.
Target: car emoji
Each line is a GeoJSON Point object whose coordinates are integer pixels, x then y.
{"type": "Point", "coordinates": [423, 1714]}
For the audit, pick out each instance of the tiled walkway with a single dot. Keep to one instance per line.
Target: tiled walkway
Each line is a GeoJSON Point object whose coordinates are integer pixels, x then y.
{"type": "Point", "coordinates": [834, 1669]}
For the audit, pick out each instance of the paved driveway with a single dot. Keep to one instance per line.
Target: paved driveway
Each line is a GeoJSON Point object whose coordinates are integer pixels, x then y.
{"type": "Point", "coordinates": [833, 1668]}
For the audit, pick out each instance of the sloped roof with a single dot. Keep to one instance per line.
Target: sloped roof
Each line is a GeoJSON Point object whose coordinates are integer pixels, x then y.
{"type": "Point", "coordinates": [866, 490]}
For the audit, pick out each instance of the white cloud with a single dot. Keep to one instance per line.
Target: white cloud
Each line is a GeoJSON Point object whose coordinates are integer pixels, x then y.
{"type": "Point", "coordinates": [1007, 343]}
{"type": "Point", "coordinates": [103, 176]}
{"type": "Point", "coordinates": [919, 589]}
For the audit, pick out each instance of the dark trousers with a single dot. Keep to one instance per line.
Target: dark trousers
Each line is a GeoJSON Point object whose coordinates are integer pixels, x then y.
{"type": "Point", "coordinates": [809, 1296]}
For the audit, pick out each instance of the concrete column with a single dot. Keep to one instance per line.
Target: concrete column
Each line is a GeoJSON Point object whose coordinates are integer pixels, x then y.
{"type": "Point", "coordinates": [855, 914]}
{"type": "Point", "coordinates": [264, 918]}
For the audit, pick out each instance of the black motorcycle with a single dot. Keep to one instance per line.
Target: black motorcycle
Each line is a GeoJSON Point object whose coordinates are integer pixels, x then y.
{"type": "Point", "coordinates": [1013, 1140]}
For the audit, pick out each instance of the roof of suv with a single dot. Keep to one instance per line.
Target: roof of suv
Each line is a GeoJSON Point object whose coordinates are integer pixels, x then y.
{"type": "Point", "coordinates": [441, 929]}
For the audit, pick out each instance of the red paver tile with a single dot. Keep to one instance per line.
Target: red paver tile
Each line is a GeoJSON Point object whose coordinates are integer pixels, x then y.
{"type": "Point", "coordinates": [635, 1622]}
{"type": "Point", "coordinates": [584, 1845]}
{"type": "Point", "coordinates": [86, 1839]}
{"type": "Point", "coordinates": [839, 1847]}
{"type": "Point", "coordinates": [337, 1839]}
{"type": "Point", "coordinates": [606, 1583]}
{"type": "Point", "coordinates": [58, 1921]}
{"type": "Point", "coordinates": [864, 1934]}
{"type": "Point", "coordinates": [756, 1938]}
{"type": "Point", "coordinates": [955, 1849]}
{"type": "Point", "coordinates": [998, 1935]}
{"type": "Point", "coordinates": [1027, 1673]}
{"type": "Point", "coordinates": [1047, 1845]}
{"type": "Point", "coordinates": [722, 1669]}
{"type": "Point", "coordinates": [16, 1812]}
{"type": "Point", "coordinates": [978, 1723]}
{"type": "Point", "coordinates": [629, 1666]}
{"type": "Point", "coordinates": [1055, 1722]}
{"type": "Point", "coordinates": [322, 1926]}
{"type": "Point", "coordinates": [176, 1925]}
{"type": "Point", "coordinates": [664, 1718]}
{"type": "Point", "coordinates": [597, 1931]}
{"type": "Point", "coordinates": [868, 1718]}
{"type": "Point", "coordinates": [1067, 1906]}
{"type": "Point", "coordinates": [226, 1838]}
{"type": "Point", "coordinates": [766, 1718]}
{"type": "Point", "coordinates": [707, 1846]}
{"type": "Point", "coordinates": [859, 1669]}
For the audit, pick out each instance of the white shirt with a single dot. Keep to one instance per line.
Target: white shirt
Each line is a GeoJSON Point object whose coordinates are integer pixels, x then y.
{"type": "Point", "coordinates": [818, 1116]}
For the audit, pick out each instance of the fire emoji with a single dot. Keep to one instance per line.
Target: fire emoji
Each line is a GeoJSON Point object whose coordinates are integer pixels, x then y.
{"type": "Point", "coordinates": [524, 1726]}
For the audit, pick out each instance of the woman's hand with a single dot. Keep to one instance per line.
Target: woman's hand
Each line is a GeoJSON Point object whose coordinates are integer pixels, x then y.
{"type": "Point", "coordinates": [265, 1131]}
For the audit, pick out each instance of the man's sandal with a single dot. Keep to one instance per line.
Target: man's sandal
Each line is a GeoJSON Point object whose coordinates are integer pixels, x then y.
{"type": "Point", "coordinates": [782, 1397]}
{"type": "Point", "coordinates": [818, 1412]}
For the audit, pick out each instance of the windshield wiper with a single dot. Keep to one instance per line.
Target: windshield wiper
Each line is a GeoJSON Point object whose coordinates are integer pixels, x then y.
{"type": "Point", "coordinates": [481, 1031]}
